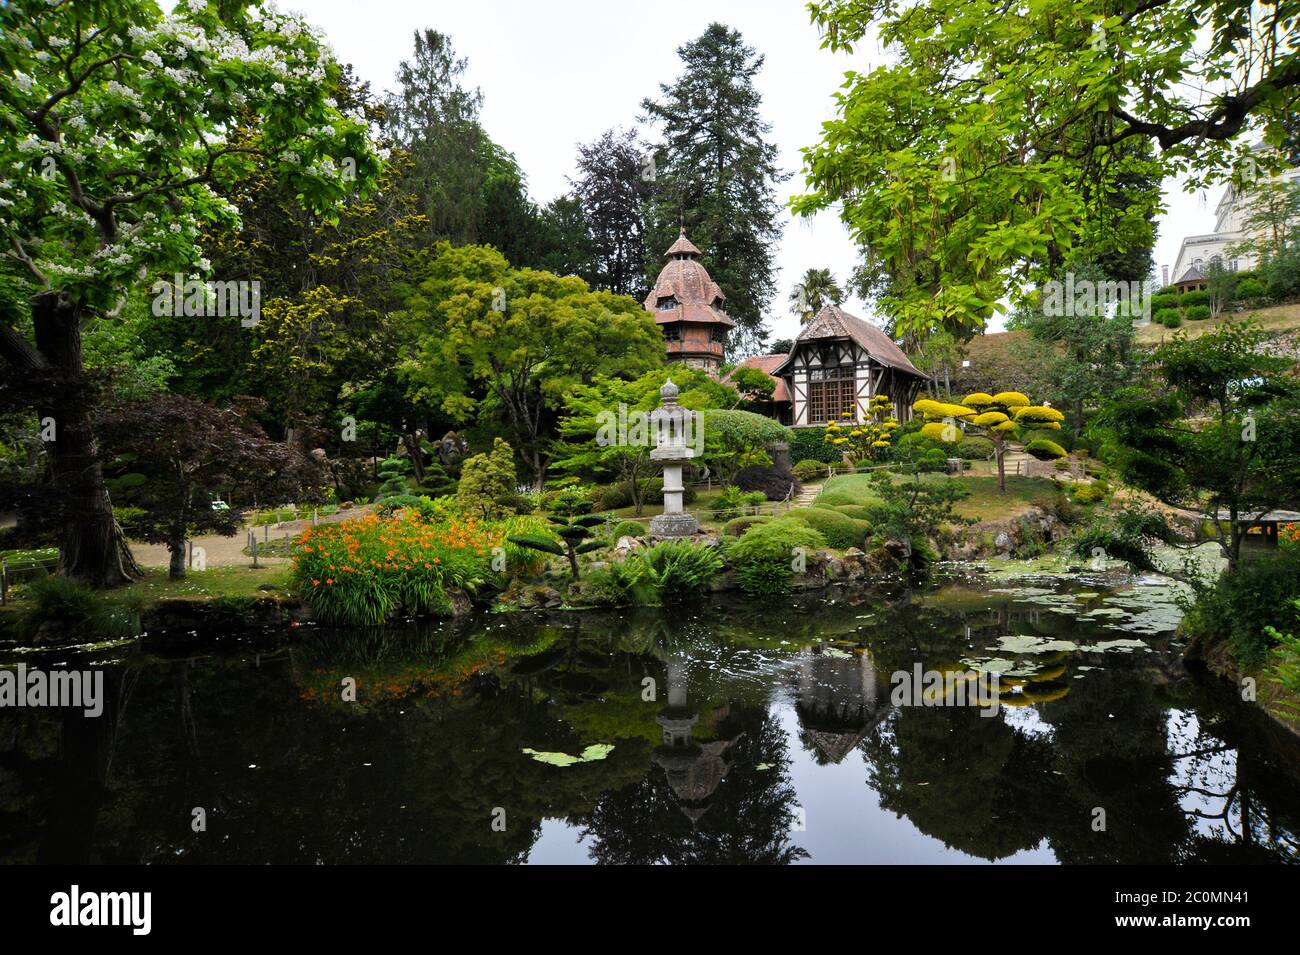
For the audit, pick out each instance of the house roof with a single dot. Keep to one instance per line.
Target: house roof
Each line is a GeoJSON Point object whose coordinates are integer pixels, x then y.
{"type": "Point", "coordinates": [1193, 274]}
{"type": "Point", "coordinates": [698, 298]}
{"type": "Point", "coordinates": [833, 322]}
{"type": "Point", "coordinates": [767, 364]}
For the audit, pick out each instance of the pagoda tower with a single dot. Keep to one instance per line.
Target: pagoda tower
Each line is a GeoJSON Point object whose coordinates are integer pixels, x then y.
{"type": "Point", "coordinates": [687, 304]}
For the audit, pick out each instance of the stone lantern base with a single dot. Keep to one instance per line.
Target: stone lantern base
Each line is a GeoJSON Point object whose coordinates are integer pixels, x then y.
{"type": "Point", "coordinates": [673, 525]}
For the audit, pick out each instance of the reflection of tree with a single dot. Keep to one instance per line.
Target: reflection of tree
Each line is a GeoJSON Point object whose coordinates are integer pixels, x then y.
{"type": "Point", "coordinates": [973, 782]}
{"type": "Point", "coordinates": [749, 814]}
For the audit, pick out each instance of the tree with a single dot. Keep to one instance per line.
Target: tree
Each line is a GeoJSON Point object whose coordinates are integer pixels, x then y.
{"type": "Point", "coordinates": [1271, 216]}
{"type": "Point", "coordinates": [716, 175]}
{"type": "Point", "coordinates": [990, 146]}
{"type": "Point", "coordinates": [488, 481]}
{"type": "Point", "coordinates": [938, 353]}
{"type": "Point", "coordinates": [869, 440]}
{"type": "Point", "coordinates": [737, 439]}
{"type": "Point", "coordinates": [117, 127]}
{"type": "Point", "coordinates": [817, 288]}
{"type": "Point", "coordinates": [513, 343]}
{"type": "Point", "coordinates": [186, 450]}
{"type": "Point", "coordinates": [1217, 432]}
{"type": "Point", "coordinates": [612, 187]}
{"type": "Point", "coordinates": [436, 120]}
{"type": "Point", "coordinates": [572, 526]}
{"type": "Point", "coordinates": [606, 431]}
{"type": "Point", "coordinates": [753, 384]}
{"type": "Point", "coordinates": [994, 416]}
{"type": "Point", "coordinates": [1085, 354]}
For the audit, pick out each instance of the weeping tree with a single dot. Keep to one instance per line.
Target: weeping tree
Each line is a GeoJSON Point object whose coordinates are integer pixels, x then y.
{"type": "Point", "coordinates": [117, 122]}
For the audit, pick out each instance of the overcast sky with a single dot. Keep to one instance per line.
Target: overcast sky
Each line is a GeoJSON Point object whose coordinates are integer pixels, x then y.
{"type": "Point", "coordinates": [555, 73]}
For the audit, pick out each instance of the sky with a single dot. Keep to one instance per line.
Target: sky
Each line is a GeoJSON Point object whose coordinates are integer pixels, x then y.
{"type": "Point", "coordinates": [556, 73]}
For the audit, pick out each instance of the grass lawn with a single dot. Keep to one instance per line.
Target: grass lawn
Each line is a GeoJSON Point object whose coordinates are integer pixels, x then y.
{"type": "Point", "coordinates": [217, 582]}
{"type": "Point", "coordinates": [1277, 318]}
{"type": "Point", "coordinates": [984, 502]}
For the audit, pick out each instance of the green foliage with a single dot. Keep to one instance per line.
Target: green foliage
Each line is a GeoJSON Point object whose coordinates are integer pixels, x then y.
{"type": "Point", "coordinates": [764, 556]}
{"type": "Point", "coordinates": [1045, 450]}
{"type": "Point", "coordinates": [571, 524]}
{"type": "Point", "coordinates": [1197, 313]}
{"type": "Point", "coordinates": [915, 507]}
{"type": "Point", "coordinates": [623, 583]}
{"type": "Point", "coordinates": [808, 470]}
{"type": "Point", "coordinates": [1163, 301]}
{"type": "Point", "coordinates": [838, 529]}
{"type": "Point", "coordinates": [1126, 535]}
{"type": "Point", "coordinates": [1219, 431]}
{"type": "Point", "coordinates": [76, 612]}
{"type": "Point", "coordinates": [487, 482]}
{"type": "Point", "coordinates": [738, 525]}
{"type": "Point", "coordinates": [1168, 317]}
{"type": "Point", "coordinates": [1285, 668]}
{"type": "Point", "coordinates": [1090, 493]}
{"type": "Point", "coordinates": [678, 570]}
{"type": "Point", "coordinates": [1245, 606]}
{"type": "Point", "coordinates": [1191, 299]}
{"type": "Point", "coordinates": [1251, 290]}
{"type": "Point", "coordinates": [732, 501]}
{"type": "Point", "coordinates": [628, 529]}
{"type": "Point", "coordinates": [809, 444]}
{"type": "Point", "coordinates": [977, 448]}
{"type": "Point", "coordinates": [736, 439]}
{"type": "Point", "coordinates": [618, 496]}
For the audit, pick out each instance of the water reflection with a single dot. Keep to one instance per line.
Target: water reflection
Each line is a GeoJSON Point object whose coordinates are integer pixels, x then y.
{"type": "Point", "coordinates": [734, 734]}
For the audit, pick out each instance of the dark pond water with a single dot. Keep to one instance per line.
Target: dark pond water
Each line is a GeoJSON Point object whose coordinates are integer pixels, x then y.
{"type": "Point", "coordinates": [763, 734]}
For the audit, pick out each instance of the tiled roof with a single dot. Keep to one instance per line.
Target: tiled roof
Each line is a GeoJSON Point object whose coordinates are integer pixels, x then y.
{"type": "Point", "coordinates": [1193, 274]}
{"type": "Point", "coordinates": [698, 297]}
{"type": "Point", "coordinates": [833, 322]}
{"type": "Point", "coordinates": [768, 364]}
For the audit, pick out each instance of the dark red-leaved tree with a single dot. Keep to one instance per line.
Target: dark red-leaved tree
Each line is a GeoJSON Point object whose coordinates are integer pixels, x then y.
{"type": "Point", "coordinates": [188, 449]}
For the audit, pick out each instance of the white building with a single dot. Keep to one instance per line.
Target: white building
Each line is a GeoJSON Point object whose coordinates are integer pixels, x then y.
{"type": "Point", "coordinates": [1198, 251]}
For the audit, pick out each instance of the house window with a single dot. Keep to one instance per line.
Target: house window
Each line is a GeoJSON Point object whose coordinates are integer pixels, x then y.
{"type": "Point", "coordinates": [831, 392]}
{"type": "Point", "coordinates": [718, 335]}
{"type": "Point", "coordinates": [672, 333]}
{"type": "Point", "coordinates": [667, 302]}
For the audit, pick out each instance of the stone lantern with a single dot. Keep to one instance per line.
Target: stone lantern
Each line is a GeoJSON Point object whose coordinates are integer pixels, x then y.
{"type": "Point", "coordinates": [670, 422]}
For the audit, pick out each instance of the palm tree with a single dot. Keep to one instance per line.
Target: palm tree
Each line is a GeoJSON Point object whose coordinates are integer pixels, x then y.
{"type": "Point", "coordinates": [817, 288]}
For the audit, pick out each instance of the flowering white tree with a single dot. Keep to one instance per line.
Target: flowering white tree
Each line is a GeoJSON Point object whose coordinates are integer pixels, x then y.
{"type": "Point", "coordinates": [115, 121]}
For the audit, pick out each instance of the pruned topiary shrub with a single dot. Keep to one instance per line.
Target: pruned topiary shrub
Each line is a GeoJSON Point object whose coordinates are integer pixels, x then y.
{"type": "Point", "coordinates": [738, 525]}
{"type": "Point", "coordinates": [628, 529]}
{"type": "Point", "coordinates": [809, 444]}
{"type": "Point", "coordinates": [764, 556]}
{"type": "Point", "coordinates": [809, 470]}
{"type": "Point", "coordinates": [1045, 450]}
{"type": "Point", "coordinates": [839, 530]}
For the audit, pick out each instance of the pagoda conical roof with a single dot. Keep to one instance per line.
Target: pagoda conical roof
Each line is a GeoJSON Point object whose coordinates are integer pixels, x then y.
{"type": "Point", "coordinates": [685, 280]}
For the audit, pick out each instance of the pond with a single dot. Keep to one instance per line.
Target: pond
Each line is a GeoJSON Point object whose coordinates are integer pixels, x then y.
{"type": "Point", "coordinates": [772, 733]}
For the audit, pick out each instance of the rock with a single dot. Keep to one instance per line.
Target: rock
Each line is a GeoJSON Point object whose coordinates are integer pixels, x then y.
{"type": "Point", "coordinates": [1004, 541]}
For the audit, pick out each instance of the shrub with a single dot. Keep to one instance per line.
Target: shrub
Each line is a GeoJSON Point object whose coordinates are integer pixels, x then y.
{"type": "Point", "coordinates": [808, 469]}
{"type": "Point", "coordinates": [733, 500]}
{"type": "Point", "coordinates": [738, 525]}
{"type": "Point", "coordinates": [764, 555]}
{"type": "Point", "coordinates": [1044, 450]}
{"type": "Point", "coordinates": [678, 570]}
{"type": "Point", "coordinates": [620, 584]}
{"type": "Point", "coordinates": [776, 484]}
{"type": "Point", "coordinates": [1285, 670]}
{"type": "Point", "coordinates": [834, 499]}
{"type": "Point", "coordinates": [78, 612]}
{"type": "Point", "coordinates": [617, 496]}
{"type": "Point", "coordinates": [1163, 301]}
{"type": "Point", "coordinates": [839, 530]}
{"type": "Point", "coordinates": [809, 444]}
{"type": "Point", "coordinates": [1081, 493]}
{"type": "Point", "coordinates": [1190, 299]}
{"type": "Point", "coordinates": [977, 448]}
{"type": "Point", "coordinates": [1197, 313]}
{"type": "Point", "coordinates": [1168, 317]}
{"type": "Point", "coordinates": [859, 512]}
{"type": "Point", "coordinates": [1250, 290]}
{"type": "Point", "coordinates": [1238, 607]}
{"type": "Point", "coordinates": [628, 529]}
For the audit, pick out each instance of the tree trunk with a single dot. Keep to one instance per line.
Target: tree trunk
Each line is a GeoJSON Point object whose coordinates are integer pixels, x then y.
{"type": "Point", "coordinates": [92, 547]}
{"type": "Point", "coordinates": [176, 565]}
{"type": "Point", "coordinates": [573, 560]}
{"type": "Point", "coordinates": [1000, 450]}
{"type": "Point", "coordinates": [412, 444]}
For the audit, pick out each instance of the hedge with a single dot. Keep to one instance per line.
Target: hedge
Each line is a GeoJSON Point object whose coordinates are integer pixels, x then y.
{"type": "Point", "coordinates": [1168, 317]}
{"type": "Point", "coordinates": [839, 530]}
{"type": "Point", "coordinates": [810, 444]}
{"type": "Point", "coordinates": [1198, 313]}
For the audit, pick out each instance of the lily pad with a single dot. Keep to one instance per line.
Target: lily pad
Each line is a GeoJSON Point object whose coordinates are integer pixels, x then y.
{"type": "Point", "coordinates": [591, 753]}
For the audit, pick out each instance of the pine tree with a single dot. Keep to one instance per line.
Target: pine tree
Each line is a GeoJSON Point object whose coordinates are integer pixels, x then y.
{"type": "Point", "coordinates": [716, 174]}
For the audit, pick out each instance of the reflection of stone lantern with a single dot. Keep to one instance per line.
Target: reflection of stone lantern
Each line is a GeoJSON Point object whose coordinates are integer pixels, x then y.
{"type": "Point", "coordinates": [670, 422]}
{"type": "Point", "coordinates": [694, 771]}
